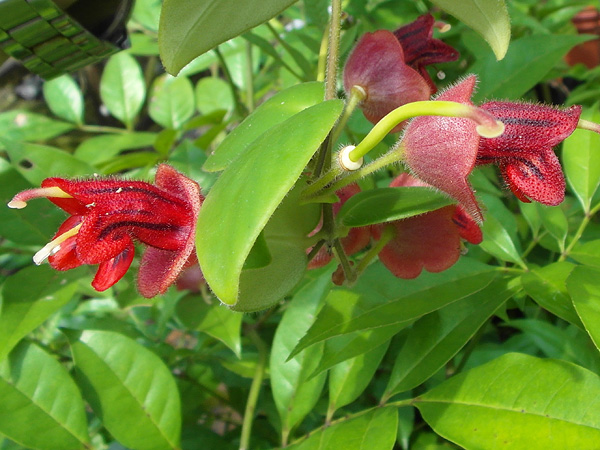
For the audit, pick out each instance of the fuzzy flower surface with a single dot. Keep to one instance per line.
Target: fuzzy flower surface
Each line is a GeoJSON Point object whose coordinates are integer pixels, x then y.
{"type": "Point", "coordinates": [430, 241]}
{"type": "Point", "coordinates": [108, 215]}
{"type": "Point", "coordinates": [421, 49]}
{"type": "Point", "coordinates": [442, 151]}
{"type": "Point", "coordinates": [524, 151]}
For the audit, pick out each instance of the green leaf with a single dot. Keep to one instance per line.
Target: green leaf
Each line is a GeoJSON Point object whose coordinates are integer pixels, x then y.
{"type": "Point", "coordinates": [527, 62]}
{"type": "Point", "coordinates": [129, 388]}
{"type": "Point", "coordinates": [18, 125]}
{"type": "Point", "coordinates": [214, 320]}
{"type": "Point", "coordinates": [171, 101]}
{"type": "Point", "coordinates": [584, 288]}
{"type": "Point", "coordinates": [489, 18]}
{"type": "Point", "coordinates": [517, 401]}
{"type": "Point", "coordinates": [65, 99]}
{"type": "Point", "coordinates": [348, 379]}
{"type": "Point", "coordinates": [387, 204]}
{"type": "Point", "coordinates": [213, 94]}
{"type": "Point", "coordinates": [122, 87]}
{"type": "Point", "coordinates": [295, 396]}
{"type": "Point", "coordinates": [41, 404]}
{"type": "Point", "coordinates": [588, 253]}
{"type": "Point", "coordinates": [36, 162]}
{"type": "Point", "coordinates": [435, 338]}
{"type": "Point", "coordinates": [555, 222]}
{"type": "Point", "coordinates": [251, 189]}
{"type": "Point", "coordinates": [30, 297]}
{"type": "Point", "coordinates": [277, 109]}
{"type": "Point", "coordinates": [187, 30]}
{"type": "Point", "coordinates": [497, 241]}
{"type": "Point", "coordinates": [379, 299]}
{"type": "Point", "coordinates": [581, 159]}
{"type": "Point", "coordinates": [547, 287]}
{"type": "Point", "coordinates": [99, 149]}
{"type": "Point", "coordinates": [374, 430]}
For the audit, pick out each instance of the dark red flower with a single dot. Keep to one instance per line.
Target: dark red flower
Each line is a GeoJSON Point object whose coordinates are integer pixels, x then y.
{"type": "Point", "coordinates": [442, 151]}
{"type": "Point", "coordinates": [108, 215]}
{"type": "Point", "coordinates": [430, 241]}
{"type": "Point", "coordinates": [355, 241]}
{"type": "Point", "coordinates": [421, 49]}
{"type": "Point", "coordinates": [377, 66]}
{"type": "Point", "coordinates": [524, 151]}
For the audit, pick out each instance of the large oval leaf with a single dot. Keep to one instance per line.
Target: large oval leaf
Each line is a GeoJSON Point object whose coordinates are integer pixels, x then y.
{"type": "Point", "coordinates": [583, 286]}
{"type": "Point", "coordinates": [64, 98]}
{"type": "Point", "coordinates": [278, 108]}
{"type": "Point", "coordinates": [387, 204]}
{"type": "Point", "coordinates": [519, 402]}
{"type": "Point", "coordinates": [248, 192]}
{"type": "Point", "coordinates": [41, 405]}
{"type": "Point", "coordinates": [188, 29]}
{"type": "Point", "coordinates": [489, 18]}
{"type": "Point", "coordinates": [129, 387]}
{"type": "Point", "coordinates": [172, 101]}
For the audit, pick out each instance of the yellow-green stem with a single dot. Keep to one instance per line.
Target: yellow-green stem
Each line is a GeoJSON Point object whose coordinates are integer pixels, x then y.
{"type": "Point", "coordinates": [388, 233]}
{"type": "Point", "coordinates": [357, 95]}
{"type": "Point", "coordinates": [333, 47]}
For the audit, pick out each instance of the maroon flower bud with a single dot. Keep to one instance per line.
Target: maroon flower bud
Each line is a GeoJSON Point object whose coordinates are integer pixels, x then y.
{"type": "Point", "coordinates": [421, 49]}
{"type": "Point", "coordinates": [429, 241]}
{"type": "Point", "coordinates": [524, 151]}
{"type": "Point", "coordinates": [377, 66]}
{"type": "Point", "coordinates": [355, 241]}
{"type": "Point", "coordinates": [109, 215]}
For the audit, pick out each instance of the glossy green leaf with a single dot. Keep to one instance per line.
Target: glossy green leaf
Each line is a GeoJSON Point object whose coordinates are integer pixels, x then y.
{"type": "Point", "coordinates": [489, 18]}
{"type": "Point", "coordinates": [348, 379]}
{"type": "Point", "coordinates": [295, 396]}
{"type": "Point", "coordinates": [374, 430]}
{"type": "Point", "coordinates": [379, 299]}
{"type": "Point", "coordinates": [387, 204]}
{"type": "Point", "coordinates": [248, 192]}
{"type": "Point", "coordinates": [18, 125]}
{"type": "Point", "coordinates": [588, 253]}
{"type": "Point", "coordinates": [274, 111]}
{"type": "Point", "coordinates": [122, 87]}
{"type": "Point", "coordinates": [527, 62]}
{"type": "Point", "coordinates": [584, 287]}
{"type": "Point", "coordinates": [99, 149]}
{"type": "Point", "coordinates": [435, 338]}
{"type": "Point", "coordinates": [581, 159]}
{"type": "Point", "coordinates": [171, 101]}
{"type": "Point", "coordinates": [213, 94]}
{"type": "Point", "coordinates": [36, 162]}
{"type": "Point", "coordinates": [64, 98]}
{"type": "Point", "coordinates": [41, 404]}
{"type": "Point", "coordinates": [129, 388]}
{"type": "Point", "coordinates": [215, 320]}
{"type": "Point", "coordinates": [30, 297]}
{"type": "Point", "coordinates": [519, 402]}
{"type": "Point", "coordinates": [189, 29]}
{"type": "Point", "coordinates": [555, 222]}
{"type": "Point", "coordinates": [498, 242]}
{"type": "Point", "coordinates": [406, 425]}
{"type": "Point", "coordinates": [547, 287]}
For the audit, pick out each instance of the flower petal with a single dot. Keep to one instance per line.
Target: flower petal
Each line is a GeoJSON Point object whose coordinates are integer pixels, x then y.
{"type": "Point", "coordinates": [538, 177]}
{"type": "Point", "coordinates": [66, 257]}
{"type": "Point", "coordinates": [111, 271]}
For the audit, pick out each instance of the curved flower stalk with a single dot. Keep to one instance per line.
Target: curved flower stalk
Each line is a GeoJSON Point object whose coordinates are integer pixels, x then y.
{"type": "Point", "coordinates": [524, 151]}
{"type": "Point", "coordinates": [442, 151]}
{"type": "Point", "coordinates": [109, 215]}
{"type": "Point", "coordinates": [355, 241]}
{"type": "Point", "coordinates": [430, 241]}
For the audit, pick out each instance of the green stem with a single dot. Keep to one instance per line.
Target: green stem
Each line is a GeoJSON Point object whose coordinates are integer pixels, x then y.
{"type": "Point", "coordinates": [582, 226]}
{"type": "Point", "coordinates": [323, 181]}
{"type": "Point", "coordinates": [287, 48]}
{"type": "Point", "coordinates": [388, 233]}
{"type": "Point", "coordinates": [322, 63]}
{"type": "Point", "coordinates": [239, 106]}
{"type": "Point", "coordinates": [249, 78]}
{"type": "Point", "coordinates": [488, 126]}
{"type": "Point", "coordinates": [357, 95]}
{"type": "Point", "coordinates": [103, 129]}
{"type": "Point", "coordinates": [349, 274]}
{"type": "Point", "coordinates": [333, 49]}
{"type": "Point", "coordinates": [254, 389]}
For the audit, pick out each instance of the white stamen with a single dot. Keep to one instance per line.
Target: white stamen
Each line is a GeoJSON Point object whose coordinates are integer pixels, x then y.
{"type": "Point", "coordinates": [344, 159]}
{"type": "Point", "coordinates": [17, 204]}
{"type": "Point", "coordinates": [53, 246]}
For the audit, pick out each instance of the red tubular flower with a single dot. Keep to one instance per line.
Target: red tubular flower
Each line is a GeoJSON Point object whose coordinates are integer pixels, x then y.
{"type": "Point", "coordinates": [442, 151]}
{"type": "Point", "coordinates": [355, 241]}
{"type": "Point", "coordinates": [429, 241]}
{"type": "Point", "coordinates": [524, 151]}
{"type": "Point", "coordinates": [377, 66]}
{"type": "Point", "coordinates": [421, 49]}
{"type": "Point", "coordinates": [108, 215]}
